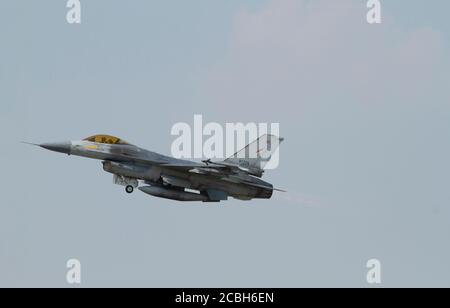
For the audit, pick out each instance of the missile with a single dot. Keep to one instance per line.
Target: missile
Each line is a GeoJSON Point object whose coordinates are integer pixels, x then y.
{"type": "Point", "coordinates": [173, 194]}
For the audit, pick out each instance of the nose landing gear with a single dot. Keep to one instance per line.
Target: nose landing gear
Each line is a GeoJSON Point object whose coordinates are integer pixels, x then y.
{"type": "Point", "coordinates": [129, 183]}
{"type": "Point", "coordinates": [129, 189]}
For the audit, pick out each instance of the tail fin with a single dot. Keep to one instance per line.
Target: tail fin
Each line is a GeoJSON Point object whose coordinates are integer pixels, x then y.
{"type": "Point", "coordinates": [257, 154]}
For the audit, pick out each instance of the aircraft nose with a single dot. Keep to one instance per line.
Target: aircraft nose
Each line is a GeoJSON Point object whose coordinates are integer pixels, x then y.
{"type": "Point", "coordinates": [61, 147]}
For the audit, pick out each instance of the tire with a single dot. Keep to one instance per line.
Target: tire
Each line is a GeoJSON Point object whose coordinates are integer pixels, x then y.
{"type": "Point", "coordinates": [129, 189]}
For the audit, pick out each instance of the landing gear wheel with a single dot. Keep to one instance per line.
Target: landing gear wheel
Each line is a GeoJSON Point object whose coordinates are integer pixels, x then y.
{"type": "Point", "coordinates": [129, 189]}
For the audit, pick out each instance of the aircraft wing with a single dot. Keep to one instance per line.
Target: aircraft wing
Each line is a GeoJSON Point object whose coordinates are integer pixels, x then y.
{"type": "Point", "coordinates": [213, 168]}
{"type": "Point", "coordinates": [199, 168]}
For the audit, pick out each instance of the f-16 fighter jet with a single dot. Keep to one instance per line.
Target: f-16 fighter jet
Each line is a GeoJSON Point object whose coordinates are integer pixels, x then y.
{"type": "Point", "coordinates": [176, 179]}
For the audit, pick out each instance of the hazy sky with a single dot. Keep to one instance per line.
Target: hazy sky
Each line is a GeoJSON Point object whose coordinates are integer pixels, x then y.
{"type": "Point", "coordinates": [365, 110]}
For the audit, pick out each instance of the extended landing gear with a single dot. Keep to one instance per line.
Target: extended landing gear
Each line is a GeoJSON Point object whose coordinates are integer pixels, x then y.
{"type": "Point", "coordinates": [129, 189]}
{"type": "Point", "coordinates": [129, 183]}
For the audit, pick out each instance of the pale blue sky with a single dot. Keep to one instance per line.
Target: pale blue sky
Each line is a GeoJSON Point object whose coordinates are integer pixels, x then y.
{"type": "Point", "coordinates": [365, 111]}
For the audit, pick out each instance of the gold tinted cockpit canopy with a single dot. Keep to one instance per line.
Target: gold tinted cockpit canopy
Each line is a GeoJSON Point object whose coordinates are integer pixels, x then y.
{"type": "Point", "coordinates": [105, 139]}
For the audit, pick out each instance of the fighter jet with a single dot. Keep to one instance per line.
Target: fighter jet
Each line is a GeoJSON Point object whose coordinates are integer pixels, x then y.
{"type": "Point", "coordinates": [166, 177]}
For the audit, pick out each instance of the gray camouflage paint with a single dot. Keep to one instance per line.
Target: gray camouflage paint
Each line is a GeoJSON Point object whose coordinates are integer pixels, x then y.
{"type": "Point", "coordinates": [168, 177]}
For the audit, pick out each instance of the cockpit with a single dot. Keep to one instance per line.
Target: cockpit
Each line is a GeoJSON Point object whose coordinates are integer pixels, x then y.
{"type": "Point", "coordinates": [106, 139]}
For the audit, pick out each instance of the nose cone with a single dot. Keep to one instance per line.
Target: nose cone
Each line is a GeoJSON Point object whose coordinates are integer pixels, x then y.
{"type": "Point", "coordinates": [60, 147]}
